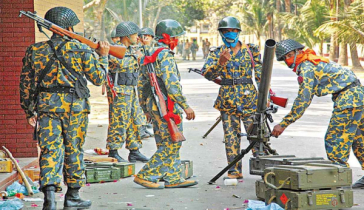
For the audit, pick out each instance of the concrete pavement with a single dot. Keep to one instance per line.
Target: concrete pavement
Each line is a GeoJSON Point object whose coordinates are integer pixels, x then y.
{"type": "Point", "coordinates": [303, 139]}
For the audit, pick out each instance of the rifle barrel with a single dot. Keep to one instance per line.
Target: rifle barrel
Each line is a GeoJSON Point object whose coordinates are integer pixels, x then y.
{"type": "Point", "coordinates": [266, 75]}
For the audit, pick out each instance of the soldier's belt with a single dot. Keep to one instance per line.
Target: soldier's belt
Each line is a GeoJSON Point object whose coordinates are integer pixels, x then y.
{"type": "Point", "coordinates": [236, 81]}
{"type": "Point", "coordinates": [58, 90]}
{"type": "Point", "coordinates": [354, 84]}
{"type": "Point", "coordinates": [130, 79]}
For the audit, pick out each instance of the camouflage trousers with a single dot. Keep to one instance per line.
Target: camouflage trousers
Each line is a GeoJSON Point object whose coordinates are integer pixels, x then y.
{"type": "Point", "coordinates": [61, 143]}
{"type": "Point", "coordinates": [232, 127]}
{"type": "Point", "coordinates": [124, 122]}
{"type": "Point", "coordinates": [346, 131]}
{"type": "Point", "coordinates": [166, 162]}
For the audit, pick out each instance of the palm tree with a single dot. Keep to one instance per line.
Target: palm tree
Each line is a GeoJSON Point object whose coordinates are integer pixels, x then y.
{"type": "Point", "coordinates": [255, 16]}
{"type": "Point", "coordinates": [301, 27]}
{"type": "Point", "coordinates": [349, 28]}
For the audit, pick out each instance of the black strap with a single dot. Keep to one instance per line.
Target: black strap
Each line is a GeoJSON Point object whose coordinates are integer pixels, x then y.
{"type": "Point", "coordinates": [50, 62]}
{"type": "Point", "coordinates": [238, 81]}
{"type": "Point", "coordinates": [61, 59]}
{"type": "Point", "coordinates": [354, 84]}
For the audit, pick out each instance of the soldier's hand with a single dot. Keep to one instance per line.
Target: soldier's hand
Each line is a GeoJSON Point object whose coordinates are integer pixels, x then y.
{"type": "Point", "coordinates": [224, 56]}
{"type": "Point", "coordinates": [190, 113]}
{"type": "Point", "coordinates": [103, 49]}
{"type": "Point", "coordinates": [32, 121]}
{"type": "Point", "coordinates": [277, 130]}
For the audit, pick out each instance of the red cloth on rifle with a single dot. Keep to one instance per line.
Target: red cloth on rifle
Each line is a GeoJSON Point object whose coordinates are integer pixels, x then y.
{"type": "Point", "coordinates": [152, 58]}
{"type": "Point", "coordinates": [175, 117]}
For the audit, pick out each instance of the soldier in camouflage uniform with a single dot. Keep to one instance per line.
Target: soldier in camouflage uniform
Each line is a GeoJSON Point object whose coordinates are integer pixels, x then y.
{"type": "Point", "coordinates": [165, 163]}
{"type": "Point", "coordinates": [54, 96]}
{"type": "Point", "coordinates": [146, 36]}
{"type": "Point", "coordinates": [124, 109]}
{"type": "Point", "coordinates": [318, 76]}
{"type": "Point", "coordinates": [237, 98]}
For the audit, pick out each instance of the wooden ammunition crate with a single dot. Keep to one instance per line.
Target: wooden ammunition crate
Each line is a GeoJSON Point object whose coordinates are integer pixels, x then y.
{"type": "Point", "coordinates": [258, 164]}
{"type": "Point", "coordinates": [310, 200]}
{"type": "Point", "coordinates": [126, 169]}
{"type": "Point", "coordinates": [260, 189]}
{"type": "Point", "coordinates": [95, 175]}
{"type": "Point", "coordinates": [6, 165]}
{"type": "Point", "coordinates": [310, 176]}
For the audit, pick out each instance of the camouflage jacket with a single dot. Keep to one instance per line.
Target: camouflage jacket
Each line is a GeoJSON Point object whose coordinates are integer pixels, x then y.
{"type": "Point", "coordinates": [81, 59]}
{"type": "Point", "coordinates": [169, 82]}
{"type": "Point", "coordinates": [235, 99]}
{"type": "Point", "coordinates": [321, 80]}
{"type": "Point", "coordinates": [128, 64]}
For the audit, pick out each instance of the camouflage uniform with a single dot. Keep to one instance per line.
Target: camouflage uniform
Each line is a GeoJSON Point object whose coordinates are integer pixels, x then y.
{"type": "Point", "coordinates": [165, 163]}
{"type": "Point", "coordinates": [235, 102]}
{"type": "Point", "coordinates": [346, 128]}
{"type": "Point", "coordinates": [62, 117]}
{"type": "Point", "coordinates": [125, 114]}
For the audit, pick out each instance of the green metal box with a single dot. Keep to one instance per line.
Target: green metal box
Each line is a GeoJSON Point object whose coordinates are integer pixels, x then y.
{"type": "Point", "coordinates": [109, 174]}
{"type": "Point", "coordinates": [187, 168]}
{"type": "Point", "coordinates": [260, 189]}
{"type": "Point", "coordinates": [309, 200]}
{"type": "Point", "coordinates": [309, 177]}
{"type": "Point", "coordinates": [258, 164]}
{"type": "Point", "coordinates": [126, 169]}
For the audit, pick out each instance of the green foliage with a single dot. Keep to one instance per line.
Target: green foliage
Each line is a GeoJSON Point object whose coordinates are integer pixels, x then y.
{"type": "Point", "coordinates": [301, 27]}
{"type": "Point", "coordinates": [350, 27]}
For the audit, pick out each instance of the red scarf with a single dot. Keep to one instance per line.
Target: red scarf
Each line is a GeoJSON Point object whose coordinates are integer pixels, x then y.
{"type": "Point", "coordinates": [167, 40]}
{"type": "Point", "coordinates": [307, 55]}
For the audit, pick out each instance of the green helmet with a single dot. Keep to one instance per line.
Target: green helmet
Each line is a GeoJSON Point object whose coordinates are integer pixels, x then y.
{"type": "Point", "coordinates": [146, 31]}
{"type": "Point", "coordinates": [126, 28]}
{"type": "Point", "coordinates": [229, 22]}
{"type": "Point", "coordinates": [113, 33]}
{"type": "Point", "coordinates": [62, 16]}
{"type": "Point", "coordinates": [170, 27]}
{"type": "Point", "coordinates": [286, 46]}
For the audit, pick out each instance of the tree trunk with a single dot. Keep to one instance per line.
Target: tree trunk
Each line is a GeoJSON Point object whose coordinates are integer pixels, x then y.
{"type": "Point", "coordinates": [333, 43]}
{"type": "Point", "coordinates": [157, 16]}
{"type": "Point", "coordinates": [343, 57]}
{"type": "Point", "coordinates": [287, 4]}
{"type": "Point", "coordinates": [321, 48]}
{"type": "Point", "coordinates": [355, 58]}
{"type": "Point", "coordinates": [278, 21]}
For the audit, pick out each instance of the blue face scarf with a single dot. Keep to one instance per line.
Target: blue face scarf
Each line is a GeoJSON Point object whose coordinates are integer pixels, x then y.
{"type": "Point", "coordinates": [231, 36]}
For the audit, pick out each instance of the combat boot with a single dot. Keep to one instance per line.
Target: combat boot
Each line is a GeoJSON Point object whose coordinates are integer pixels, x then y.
{"type": "Point", "coordinates": [115, 154]}
{"type": "Point", "coordinates": [72, 200]}
{"type": "Point", "coordinates": [49, 198]}
{"type": "Point", "coordinates": [135, 156]}
{"type": "Point", "coordinates": [359, 184]}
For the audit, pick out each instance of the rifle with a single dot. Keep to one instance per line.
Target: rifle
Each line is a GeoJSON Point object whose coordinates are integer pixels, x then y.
{"type": "Point", "coordinates": [115, 50]}
{"type": "Point", "coordinates": [176, 135]}
{"type": "Point", "coordinates": [282, 102]}
{"type": "Point", "coordinates": [259, 132]}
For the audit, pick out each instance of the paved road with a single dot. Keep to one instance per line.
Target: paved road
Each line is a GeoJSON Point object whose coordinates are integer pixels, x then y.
{"type": "Point", "coordinates": [303, 139]}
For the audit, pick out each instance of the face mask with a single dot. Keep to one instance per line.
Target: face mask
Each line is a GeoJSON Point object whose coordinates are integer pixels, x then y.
{"type": "Point", "coordinates": [230, 39]}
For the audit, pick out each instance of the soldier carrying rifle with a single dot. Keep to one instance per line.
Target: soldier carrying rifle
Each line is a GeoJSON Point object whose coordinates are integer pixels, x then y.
{"type": "Point", "coordinates": [165, 163]}
{"type": "Point", "coordinates": [54, 96]}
